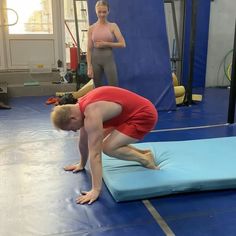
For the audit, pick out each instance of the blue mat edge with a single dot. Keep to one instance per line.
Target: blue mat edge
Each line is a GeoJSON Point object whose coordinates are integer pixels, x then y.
{"type": "Point", "coordinates": [127, 195]}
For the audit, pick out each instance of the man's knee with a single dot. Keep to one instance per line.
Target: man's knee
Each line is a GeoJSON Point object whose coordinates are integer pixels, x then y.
{"type": "Point", "coordinates": [108, 149]}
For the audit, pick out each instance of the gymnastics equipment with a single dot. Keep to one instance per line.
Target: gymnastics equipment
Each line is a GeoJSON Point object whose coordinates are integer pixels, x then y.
{"type": "Point", "coordinates": [16, 14]}
{"type": "Point", "coordinates": [81, 71]}
{"type": "Point", "coordinates": [81, 92]}
{"type": "Point", "coordinates": [192, 52]}
{"type": "Point", "coordinates": [4, 96]}
{"type": "Point", "coordinates": [144, 65]}
{"type": "Point", "coordinates": [185, 166]}
{"type": "Point", "coordinates": [180, 92]}
{"type": "Point", "coordinates": [232, 95]}
{"type": "Point", "coordinates": [195, 43]}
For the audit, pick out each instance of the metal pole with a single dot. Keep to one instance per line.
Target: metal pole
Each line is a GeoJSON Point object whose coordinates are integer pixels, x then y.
{"type": "Point", "coordinates": [175, 58]}
{"type": "Point", "coordinates": [77, 30]}
{"type": "Point", "coordinates": [232, 95]}
{"type": "Point", "coordinates": [175, 29]}
{"type": "Point", "coordinates": [182, 30]}
{"type": "Point", "coordinates": [192, 52]}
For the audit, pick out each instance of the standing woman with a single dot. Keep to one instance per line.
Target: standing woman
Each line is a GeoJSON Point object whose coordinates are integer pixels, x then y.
{"type": "Point", "coordinates": [102, 37]}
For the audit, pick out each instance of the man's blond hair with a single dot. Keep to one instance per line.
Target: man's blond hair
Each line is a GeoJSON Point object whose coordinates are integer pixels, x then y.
{"type": "Point", "coordinates": [60, 115]}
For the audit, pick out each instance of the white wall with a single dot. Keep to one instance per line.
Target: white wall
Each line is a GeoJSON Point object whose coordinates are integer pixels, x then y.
{"type": "Point", "coordinates": [221, 38]}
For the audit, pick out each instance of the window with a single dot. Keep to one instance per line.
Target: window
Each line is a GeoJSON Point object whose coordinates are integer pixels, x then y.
{"type": "Point", "coordinates": [82, 15]}
{"type": "Point", "coordinates": [34, 16]}
{"type": "Point", "coordinates": [70, 28]}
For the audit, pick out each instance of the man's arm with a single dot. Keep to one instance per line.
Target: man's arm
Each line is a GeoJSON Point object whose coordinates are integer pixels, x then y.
{"type": "Point", "coordinates": [93, 125]}
{"type": "Point", "coordinates": [83, 148]}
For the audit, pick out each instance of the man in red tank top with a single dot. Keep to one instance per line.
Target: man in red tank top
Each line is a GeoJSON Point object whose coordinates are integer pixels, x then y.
{"type": "Point", "coordinates": [109, 119]}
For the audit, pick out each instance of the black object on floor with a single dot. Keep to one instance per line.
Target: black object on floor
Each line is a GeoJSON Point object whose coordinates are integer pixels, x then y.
{"type": "Point", "coordinates": [4, 96]}
{"type": "Point", "coordinates": [67, 99]}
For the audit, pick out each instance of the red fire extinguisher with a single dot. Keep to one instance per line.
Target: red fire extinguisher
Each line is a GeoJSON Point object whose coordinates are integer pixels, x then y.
{"type": "Point", "coordinates": [73, 58]}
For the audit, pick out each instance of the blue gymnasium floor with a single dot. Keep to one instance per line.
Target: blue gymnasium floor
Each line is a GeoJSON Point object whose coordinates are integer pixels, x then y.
{"type": "Point", "coordinates": [38, 198]}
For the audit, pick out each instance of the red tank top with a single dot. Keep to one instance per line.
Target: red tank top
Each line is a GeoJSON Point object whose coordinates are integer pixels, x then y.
{"type": "Point", "coordinates": [131, 103]}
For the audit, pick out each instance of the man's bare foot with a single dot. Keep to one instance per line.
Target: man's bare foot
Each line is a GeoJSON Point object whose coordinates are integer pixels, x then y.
{"type": "Point", "coordinates": [145, 151]}
{"type": "Point", "coordinates": [149, 161]}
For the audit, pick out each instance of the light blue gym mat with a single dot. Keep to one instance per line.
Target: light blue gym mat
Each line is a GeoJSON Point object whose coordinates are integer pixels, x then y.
{"type": "Point", "coordinates": [185, 166]}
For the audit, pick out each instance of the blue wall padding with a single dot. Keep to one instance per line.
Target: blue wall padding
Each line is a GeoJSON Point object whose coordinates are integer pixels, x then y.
{"type": "Point", "coordinates": [201, 43]}
{"type": "Point", "coordinates": [185, 166]}
{"type": "Point", "coordinates": [144, 65]}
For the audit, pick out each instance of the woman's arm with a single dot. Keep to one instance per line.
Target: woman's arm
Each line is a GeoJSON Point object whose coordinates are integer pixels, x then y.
{"type": "Point", "coordinates": [89, 51]}
{"type": "Point", "coordinates": [119, 37]}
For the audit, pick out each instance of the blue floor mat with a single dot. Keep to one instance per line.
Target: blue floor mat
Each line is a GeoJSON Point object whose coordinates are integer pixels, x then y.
{"type": "Point", "coordinates": [186, 166]}
{"type": "Point", "coordinates": [38, 198]}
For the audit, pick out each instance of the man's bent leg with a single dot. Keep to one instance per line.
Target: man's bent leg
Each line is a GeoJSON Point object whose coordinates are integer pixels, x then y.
{"type": "Point", "coordinates": [118, 145]}
{"type": "Point", "coordinates": [140, 150]}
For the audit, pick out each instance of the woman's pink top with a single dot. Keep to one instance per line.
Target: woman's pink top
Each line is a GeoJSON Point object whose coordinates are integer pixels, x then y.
{"type": "Point", "coordinates": [102, 32]}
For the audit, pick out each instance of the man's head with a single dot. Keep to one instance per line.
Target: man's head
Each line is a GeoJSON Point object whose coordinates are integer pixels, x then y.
{"type": "Point", "coordinates": [67, 117]}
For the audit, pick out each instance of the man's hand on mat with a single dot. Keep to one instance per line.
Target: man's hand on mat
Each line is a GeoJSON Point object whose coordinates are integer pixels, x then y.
{"type": "Point", "coordinates": [89, 197]}
{"type": "Point", "coordinates": [74, 168]}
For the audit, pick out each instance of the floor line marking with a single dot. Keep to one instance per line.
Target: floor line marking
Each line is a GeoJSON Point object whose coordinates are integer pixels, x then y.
{"type": "Point", "coordinates": [188, 128]}
{"type": "Point", "coordinates": [158, 218]}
